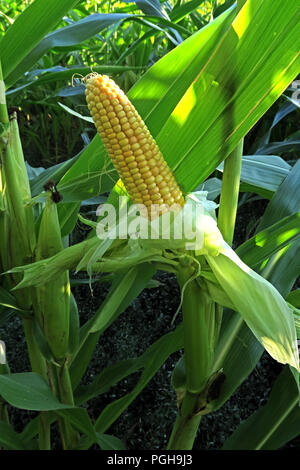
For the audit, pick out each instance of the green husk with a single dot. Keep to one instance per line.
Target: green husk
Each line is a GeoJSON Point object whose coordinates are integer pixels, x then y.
{"type": "Point", "coordinates": [260, 304]}
{"type": "Point", "coordinates": [52, 300]}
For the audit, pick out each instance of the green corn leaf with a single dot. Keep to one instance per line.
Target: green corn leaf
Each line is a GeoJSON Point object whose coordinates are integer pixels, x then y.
{"type": "Point", "coordinates": [10, 439]}
{"type": "Point", "coordinates": [212, 186]}
{"type": "Point", "coordinates": [32, 428]}
{"type": "Point", "coordinates": [54, 173]}
{"type": "Point", "coordinates": [260, 304]}
{"type": "Point", "coordinates": [179, 12]}
{"type": "Point", "coordinates": [113, 301]}
{"type": "Point", "coordinates": [272, 425]}
{"type": "Point", "coordinates": [286, 260]}
{"type": "Point", "coordinates": [107, 442]}
{"type": "Point", "coordinates": [55, 74]}
{"type": "Point", "coordinates": [8, 300]}
{"type": "Point", "coordinates": [41, 341]}
{"type": "Point", "coordinates": [296, 313]}
{"type": "Point", "coordinates": [74, 113]}
{"type": "Point", "coordinates": [108, 378]}
{"type": "Point", "coordinates": [144, 274]}
{"type": "Point", "coordinates": [280, 147]}
{"type": "Point", "coordinates": [239, 351]}
{"type": "Point", "coordinates": [80, 419]}
{"type": "Point", "coordinates": [154, 358]}
{"type": "Point", "coordinates": [152, 7]}
{"type": "Point", "coordinates": [42, 271]}
{"type": "Point", "coordinates": [157, 355]}
{"type": "Point", "coordinates": [262, 173]}
{"type": "Point", "coordinates": [21, 37]}
{"type": "Point", "coordinates": [28, 391]}
{"type": "Point", "coordinates": [37, 44]}
{"type": "Point", "coordinates": [67, 216]}
{"type": "Point", "coordinates": [228, 98]}
{"type": "Point", "coordinates": [282, 203]}
{"type": "Point", "coordinates": [270, 240]}
{"type": "Point", "coordinates": [91, 174]}
{"type": "Point", "coordinates": [294, 298]}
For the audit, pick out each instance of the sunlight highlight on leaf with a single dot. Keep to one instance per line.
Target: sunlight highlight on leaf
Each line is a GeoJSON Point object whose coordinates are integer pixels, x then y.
{"type": "Point", "coordinates": [242, 22]}
{"type": "Point", "coordinates": [185, 107]}
{"type": "Point", "coordinates": [288, 234]}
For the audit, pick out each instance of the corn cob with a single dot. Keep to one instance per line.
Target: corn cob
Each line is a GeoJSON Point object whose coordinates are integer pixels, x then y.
{"type": "Point", "coordinates": [132, 149]}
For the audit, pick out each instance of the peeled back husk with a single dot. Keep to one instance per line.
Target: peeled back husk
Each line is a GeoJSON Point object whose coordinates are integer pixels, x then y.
{"type": "Point", "coordinates": [260, 304]}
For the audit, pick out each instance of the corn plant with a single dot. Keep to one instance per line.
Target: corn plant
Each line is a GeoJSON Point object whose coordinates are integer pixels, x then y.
{"type": "Point", "coordinates": [184, 117]}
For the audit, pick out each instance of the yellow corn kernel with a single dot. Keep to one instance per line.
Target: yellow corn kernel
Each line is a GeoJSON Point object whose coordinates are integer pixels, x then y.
{"type": "Point", "coordinates": [131, 147]}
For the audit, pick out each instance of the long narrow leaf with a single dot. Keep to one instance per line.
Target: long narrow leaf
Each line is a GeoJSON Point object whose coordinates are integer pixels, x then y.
{"type": "Point", "coordinates": [157, 355]}
{"type": "Point", "coordinates": [239, 351]}
{"type": "Point", "coordinates": [28, 29]}
{"type": "Point", "coordinates": [267, 242]}
{"type": "Point", "coordinates": [28, 391]}
{"type": "Point", "coordinates": [67, 36]}
{"type": "Point", "coordinates": [9, 439]}
{"type": "Point", "coordinates": [287, 260]}
{"type": "Point", "coordinates": [79, 364]}
{"type": "Point", "coordinates": [274, 424]}
{"type": "Point", "coordinates": [263, 172]}
{"type": "Point", "coordinates": [245, 74]}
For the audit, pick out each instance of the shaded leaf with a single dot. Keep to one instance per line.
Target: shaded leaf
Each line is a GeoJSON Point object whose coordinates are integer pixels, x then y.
{"type": "Point", "coordinates": [9, 439]}
{"type": "Point", "coordinates": [28, 391]}
{"type": "Point", "coordinates": [21, 38]}
{"type": "Point", "coordinates": [272, 425]}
